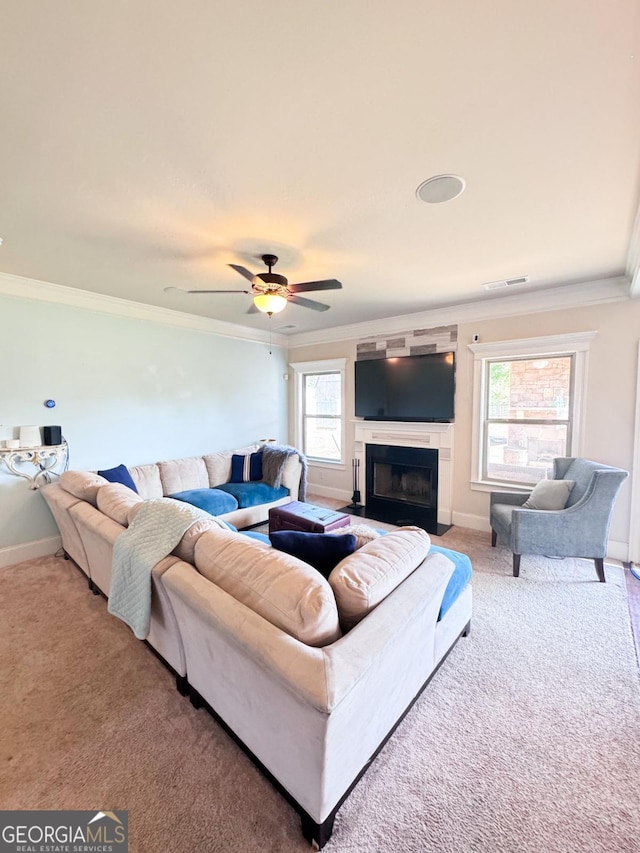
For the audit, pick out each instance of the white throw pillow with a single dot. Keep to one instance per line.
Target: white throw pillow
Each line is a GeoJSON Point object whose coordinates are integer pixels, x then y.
{"type": "Point", "coordinates": [364, 579]}
{"type": "Point", "coordinates": [282, 589]}
{"type": "Point", "coordinates": [549, 494]}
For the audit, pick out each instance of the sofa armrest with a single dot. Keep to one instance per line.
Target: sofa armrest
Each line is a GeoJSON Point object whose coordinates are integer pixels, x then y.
{"type": "Point", "coordinates": [400, 627]}
{"type": "Point", "coordinates": [569, 532]}
{"type": "Point", "coordinates": [313, 717]}
{"type": "Point", "coordinates": [291, 476]}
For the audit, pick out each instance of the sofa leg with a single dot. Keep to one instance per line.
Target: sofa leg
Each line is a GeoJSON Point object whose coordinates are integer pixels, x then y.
{"type": "Point", "coordinates": [516, 565]}
{"type": "Point", "coordinates": [317, 833]}
{"type": "Point", "coordinates": [599, 561]}
{"type": "Point", "coordinates": [467, 629]}
{"type": "Point", "coordinates": [94, 589]}
{"type": "Point", "coordinates": [182, 685]}
{"type": "Point", "coordinates": [494, 538]}
{"type": "Point", "coordinates": [195, 698]}
{"type": "Point", "coordinates": [65, 555]}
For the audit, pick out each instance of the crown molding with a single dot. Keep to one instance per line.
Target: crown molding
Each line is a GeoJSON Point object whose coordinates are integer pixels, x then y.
{"type": "Point", "coordinates": [614, 289]}
{"type": "Point", "coordinates": [43, 291]}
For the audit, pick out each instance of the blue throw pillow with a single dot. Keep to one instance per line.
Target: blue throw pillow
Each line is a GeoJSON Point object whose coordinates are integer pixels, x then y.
{"type": "Point", "coordinates": [323, 551]}
{"type": "Point", "coordinates": [120, 474]}
{"type": "Point", "coordinates": [245, 469]}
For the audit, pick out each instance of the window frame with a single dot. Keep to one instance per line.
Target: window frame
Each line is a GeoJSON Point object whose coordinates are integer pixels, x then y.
{"type": "Point", "coordinates": [302, 369]}
{"type": "Point", "coordinates": [575, 345]}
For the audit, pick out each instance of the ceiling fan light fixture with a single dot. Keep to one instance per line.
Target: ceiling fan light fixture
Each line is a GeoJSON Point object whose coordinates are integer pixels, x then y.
{"type": "Point", "coordinates": [269, 303]}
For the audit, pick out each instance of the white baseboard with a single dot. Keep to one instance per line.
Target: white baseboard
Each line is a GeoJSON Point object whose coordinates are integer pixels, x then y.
{"type": "Point", "coordinates": [29, 551]}
{"type": "Point", "coordinates": [474, 522]}
{"type": "Point", "coordinates": [328, 492]}
{"type": "Point", "coordinates": [618, 550]}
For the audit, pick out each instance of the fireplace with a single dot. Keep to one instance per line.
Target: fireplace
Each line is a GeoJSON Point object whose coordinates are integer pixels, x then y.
{"type": "Point", "coordinates": [402, 486]}
{"type": "Point", "coordinates": [437, 440]}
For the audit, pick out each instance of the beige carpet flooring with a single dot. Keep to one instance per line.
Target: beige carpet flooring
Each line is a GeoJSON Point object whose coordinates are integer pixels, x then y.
{"type": "Point", "coordinates": [526, 741]}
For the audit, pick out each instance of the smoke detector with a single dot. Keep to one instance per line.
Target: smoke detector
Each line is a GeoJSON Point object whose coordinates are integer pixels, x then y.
{"type": "Point", "coordinates": [440, 188]}
{"type": "Point", "coordinates": [506, 282]}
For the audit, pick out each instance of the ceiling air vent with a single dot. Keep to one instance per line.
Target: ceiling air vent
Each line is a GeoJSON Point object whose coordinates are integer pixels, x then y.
{"type": "Point", "coordinates": [506, 282]}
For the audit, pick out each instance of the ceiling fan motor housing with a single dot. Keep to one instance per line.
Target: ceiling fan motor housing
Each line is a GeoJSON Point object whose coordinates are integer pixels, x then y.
{"type": "Point", "coordinates": [270, 278]}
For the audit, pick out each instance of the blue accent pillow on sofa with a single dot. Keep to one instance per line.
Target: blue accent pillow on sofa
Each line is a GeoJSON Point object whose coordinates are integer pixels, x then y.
{"type": "Point", "coordinates": [213, 501]}
{"type": "Point", "coordinates": [323, 551]}
{"type": "Point", "coordinates": [119, 474]}
{"type": "Point", "coordinates": [245, 469]}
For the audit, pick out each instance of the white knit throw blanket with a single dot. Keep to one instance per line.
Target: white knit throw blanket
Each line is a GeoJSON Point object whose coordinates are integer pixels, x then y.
{"type": "Point", "coordinates": [153, 534]}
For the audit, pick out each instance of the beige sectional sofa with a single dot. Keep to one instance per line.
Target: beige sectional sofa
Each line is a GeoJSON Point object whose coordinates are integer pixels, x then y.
{"type": "Point", "coordinates": [311, 676]}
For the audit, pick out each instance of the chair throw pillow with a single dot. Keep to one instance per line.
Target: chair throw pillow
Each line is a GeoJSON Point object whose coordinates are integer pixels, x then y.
{"type": "Point", "coordinates": [549, 494]}
{"type": "Point", "coordinates": [245, 469]}
{"type": "Point", "coordinates": [119, 474]}
{"type": "Point", "coordinates": [323, 551]}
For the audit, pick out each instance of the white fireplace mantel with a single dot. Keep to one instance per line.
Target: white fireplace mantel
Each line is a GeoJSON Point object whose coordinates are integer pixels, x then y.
{"type": "Point", "coordinates": [435, 436]}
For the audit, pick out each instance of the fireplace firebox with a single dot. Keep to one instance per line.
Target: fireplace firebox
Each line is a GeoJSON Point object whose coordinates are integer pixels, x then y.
{"type": "Point", "coordinates": [402, 486]}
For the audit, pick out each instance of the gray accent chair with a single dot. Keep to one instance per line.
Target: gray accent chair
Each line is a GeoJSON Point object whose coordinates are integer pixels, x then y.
{"type": "Point", "coordinates": [581, 529]}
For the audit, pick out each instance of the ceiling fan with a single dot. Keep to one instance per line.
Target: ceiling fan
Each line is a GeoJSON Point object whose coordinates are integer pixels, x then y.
{"type": "Point", "coordinates": [271, 291]}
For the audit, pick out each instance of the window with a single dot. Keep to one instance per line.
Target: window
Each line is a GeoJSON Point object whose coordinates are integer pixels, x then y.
{"type": "Point", "coordinates": [320, 410]}
{"type": "Point", "coordinates": [527, 407]}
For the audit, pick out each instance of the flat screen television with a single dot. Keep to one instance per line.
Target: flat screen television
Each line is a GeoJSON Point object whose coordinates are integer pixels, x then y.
{"type": "Point", "coordinates": [418, 388]}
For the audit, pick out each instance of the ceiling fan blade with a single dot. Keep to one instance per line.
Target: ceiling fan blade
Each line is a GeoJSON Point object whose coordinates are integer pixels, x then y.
{"type": "Point", "coordinates": [215, 291]}
{"type": "Point", "coordinates": [243, 271]}
{"type": "Point", "coordinates": [307, 286]}
{"type": "Point", "coordinates": [252, 309]}
{"type": "Point", "coordinates": [308, 303]}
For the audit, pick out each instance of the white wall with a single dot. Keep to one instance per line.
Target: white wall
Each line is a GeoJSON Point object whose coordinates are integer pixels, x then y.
{"type": "Point", "coordinates": [127, 390]}
{"type": "Point", "coordinates": [610, 404]}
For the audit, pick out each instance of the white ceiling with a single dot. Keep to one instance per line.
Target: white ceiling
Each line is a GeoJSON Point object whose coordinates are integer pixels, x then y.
{"type": "Point", "coordinates": [147, 144]}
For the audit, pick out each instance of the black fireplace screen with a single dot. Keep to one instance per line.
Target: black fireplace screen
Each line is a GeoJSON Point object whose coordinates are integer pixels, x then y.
{"type": "Point", "coordinates": [402, 485]}
{"type": "Point", "coordinates": [397, 482]}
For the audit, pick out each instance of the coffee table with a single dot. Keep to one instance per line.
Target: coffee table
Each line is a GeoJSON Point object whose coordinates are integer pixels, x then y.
{"type": "Point", "coordinates": [305, 517]}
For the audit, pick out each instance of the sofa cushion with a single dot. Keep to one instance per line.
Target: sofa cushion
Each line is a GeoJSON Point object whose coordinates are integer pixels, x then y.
{"type": "Point", "coordinates": [458, 580]}
{"type": "Point", "coordinates": [181, 475]}
{"type": "Point", "coordinates": [259, 537]}
{"type": "Point", "coordinates": [185, 549]}
{"type": "Point", "coordinates": [115, 500]}
{"type": "Point", "coordinates": [119, 474]}
{"type": "Point", "coordinates": [282, 589]}
{"type": "Point", "coordinates": [213, 501]}
{"type": "Point", "coordinates": [83, 485]}
{"type": "Point", "coordinates": [246, 468]}
{"type": "Point", "coordinates": [218, 467]}
{"type": "Point", "coordinates": [323, 551]}
{"type": "Point", "coordinates": [549, 494]}
{"type": "Point", "coordinates": [253, 494]}
{"type": "Point", "coordinates": [147, 480]}
{"type": "Point", "coordinates": [363, 580]}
